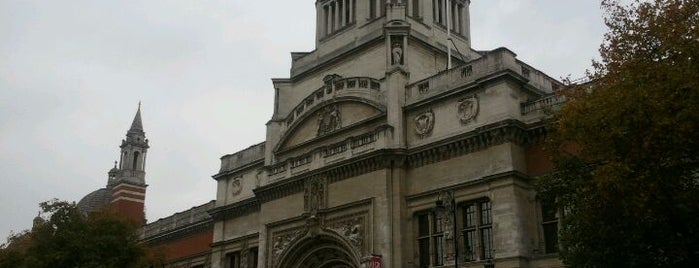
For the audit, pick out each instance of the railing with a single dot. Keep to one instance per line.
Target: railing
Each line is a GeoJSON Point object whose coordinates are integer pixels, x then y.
{"type": "Point", "coordinates": [322, 156]}
{"type": "Point", "coordinates": [543, 103]}
{"type": "Point", "coordinates": [494, 62]}
{"type": "Point", "coordinates": [242, 158]}
{"type": "Point", "coordinates": [178, 220]}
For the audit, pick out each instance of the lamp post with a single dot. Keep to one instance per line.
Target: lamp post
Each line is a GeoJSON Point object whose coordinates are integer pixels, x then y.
{"type": "Point", "coordinates": [446, 204]}
{"type": "Point", "coordinates": [489, 264]}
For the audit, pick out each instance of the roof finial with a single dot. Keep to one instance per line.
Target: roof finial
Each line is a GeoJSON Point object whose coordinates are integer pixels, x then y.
{"type": "Point", "coordinates": [139, 105]}
{"type": "Point", "coordinates": [115, 163]}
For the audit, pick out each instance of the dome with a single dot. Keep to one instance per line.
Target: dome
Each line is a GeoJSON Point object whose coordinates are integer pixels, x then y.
{"type": "Point", "coordinates": [95, 201]}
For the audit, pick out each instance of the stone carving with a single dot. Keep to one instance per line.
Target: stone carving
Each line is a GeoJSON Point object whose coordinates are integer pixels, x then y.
{"type": "Point", "coordinates": [328, 119]}
{"type": "Point", "coordinates": [424, 123]}
{"type": "Point", "coordinates": [314, 195]}
{"type": "Point", "coordinates": [467, 109]}
{"type": "Point", "coordinates": [282, 242]}
{"type": "Point", "coordinates": [397, 53]}
{"type": "Point", "coordinates": [352, 230]}
{"type": "Point", "coordinates": [236, 186]}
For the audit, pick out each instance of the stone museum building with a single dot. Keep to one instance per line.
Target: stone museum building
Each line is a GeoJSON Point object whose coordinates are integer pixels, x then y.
{"type": "Point", "coordinates": [382, 151]}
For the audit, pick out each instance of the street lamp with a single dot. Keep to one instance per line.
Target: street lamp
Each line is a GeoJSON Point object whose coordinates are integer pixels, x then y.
{"type": "Point", "coordinates": [446, 204]}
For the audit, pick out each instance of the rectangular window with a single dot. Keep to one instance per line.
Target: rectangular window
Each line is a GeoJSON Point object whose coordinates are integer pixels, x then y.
{"type": "Point", "coordinates": [252, 258]}
{"type": "Point", "coordinates": [549, 218]}
{"type": "Point", "coordinates": [372, 9]}
{"type": "Point", "coordinates": [430, 240]}
{"type": "Point", "coordinates": [477, 230]}
{"type": "Point", "coordinates": [233, 260]}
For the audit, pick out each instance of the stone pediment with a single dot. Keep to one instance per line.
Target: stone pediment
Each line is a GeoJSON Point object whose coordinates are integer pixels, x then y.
{"type": "Point", "coordinates": [338, 104]}
{"type": "Point", "coordinates": [328, 118]}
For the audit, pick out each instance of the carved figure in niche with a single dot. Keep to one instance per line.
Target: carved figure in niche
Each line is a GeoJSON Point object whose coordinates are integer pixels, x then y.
{"type": "Point", "coordinates": [313, 195]}
{"type": "Point", "coordinates": [397, 53]}
{"type": "Point", "coordinates": [328, 119]}
{"type": "Point", "coordinates": [424, 123]}
{"type": "Point", "coordinates": [467, 109]}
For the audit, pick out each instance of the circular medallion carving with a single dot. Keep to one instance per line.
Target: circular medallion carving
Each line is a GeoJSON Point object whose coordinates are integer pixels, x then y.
{"type": "Point", "coordinates": [236, 186]}
{"type": "Point", "coordinates": [467, 109]}
{"type": "Point", "coordinates": [424, 123]}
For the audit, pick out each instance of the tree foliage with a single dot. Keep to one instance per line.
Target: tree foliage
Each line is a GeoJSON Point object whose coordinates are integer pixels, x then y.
{"type": "Point", "coordinates": [626, 145]}
{"type": "Point", "coordinates": [70, 239]}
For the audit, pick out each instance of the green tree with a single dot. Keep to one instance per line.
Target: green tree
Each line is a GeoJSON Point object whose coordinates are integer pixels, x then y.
{"type": "Point", "coordinates": [70, 239]}
{"type": "Point", "coordinates": [626, 148]}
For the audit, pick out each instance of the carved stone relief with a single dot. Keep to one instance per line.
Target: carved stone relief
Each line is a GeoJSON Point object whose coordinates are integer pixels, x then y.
{"type": "Point", "coordinates": [282, 242]}
{"type": "Point", "coordinates": [329, 119]}
{"type": "Point", "coordinates": [351, 229]}
{"type": "Point", "coordinates": [236, 186]}
{"type": "Point", "coordinates": [424, 123]}
{"type": "Point", "coordinates": [467, 109]}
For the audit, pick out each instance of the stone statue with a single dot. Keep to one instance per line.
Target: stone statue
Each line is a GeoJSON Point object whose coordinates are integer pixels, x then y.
{"type": "Point", "coordinates": [397, 54]}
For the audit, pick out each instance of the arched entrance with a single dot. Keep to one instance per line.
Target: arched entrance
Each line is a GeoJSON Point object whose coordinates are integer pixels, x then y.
{"type": "Point", "coordinates": [322, 251]}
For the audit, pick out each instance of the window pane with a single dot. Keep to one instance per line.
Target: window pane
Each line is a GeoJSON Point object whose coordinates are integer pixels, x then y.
{"type": "Point", "coordinates": [470, 245]}
{"type": "Point", "coordinates": [424, 252]}
{"type": "Point", "coordinates": [439, 250]}
{"type": "Point", "coordinates": [551, 237]}
{"type": "Point", "coordinates": [470, 215]}
{"type": "Point", "coordinates": [423, 223]}
{"type": "Point", "coordinates": [487, 243]}
{"type": "Point", "coordinates": [438, 224]}
{"type": "Point", "coordinates": [234, 260]}
{"type": "Point", "coordinates": [252, 258]}
{"type": "Point", "coordinates": [486, 217]}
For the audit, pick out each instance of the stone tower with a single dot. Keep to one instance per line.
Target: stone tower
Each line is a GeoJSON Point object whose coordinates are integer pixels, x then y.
{"type": "Point", "coordinates": [128, 181]}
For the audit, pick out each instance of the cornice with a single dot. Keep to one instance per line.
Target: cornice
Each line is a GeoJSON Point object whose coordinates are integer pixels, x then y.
{"type": "Point", "coordinates": [484, 179]}
{"type": "Point", "coordinates": [204, 225]}
{"type": "Point", "coordinates": [483, 137]}
{"type": "Point", "coordinates": [237, 209]}
{"type": "Point", "coordinates": [244, 168]}
{"type": "Point", "coordinates": [254, 236]}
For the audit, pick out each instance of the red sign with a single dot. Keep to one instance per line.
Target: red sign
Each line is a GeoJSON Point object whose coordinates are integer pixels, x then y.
{"type": "Point", "coordinates": [375, 262]}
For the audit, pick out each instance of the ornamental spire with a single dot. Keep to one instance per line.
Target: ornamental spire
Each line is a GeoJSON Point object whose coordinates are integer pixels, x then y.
{"type": "Point", "coordinates": [137, 125]}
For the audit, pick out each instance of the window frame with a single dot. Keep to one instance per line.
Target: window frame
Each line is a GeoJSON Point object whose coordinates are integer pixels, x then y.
{"type": "Point", "coordinates": [434, 236]}
{"type": "Point", "coordinates": [479, 234]}
{"type": "Point", "coordinates": [550, 217]}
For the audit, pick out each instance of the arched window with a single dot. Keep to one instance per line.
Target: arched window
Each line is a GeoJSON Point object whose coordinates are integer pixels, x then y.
{"type": "Point", "coordinates": [123, 164]}
{"type": "Point", "coordinates": [135, 160]}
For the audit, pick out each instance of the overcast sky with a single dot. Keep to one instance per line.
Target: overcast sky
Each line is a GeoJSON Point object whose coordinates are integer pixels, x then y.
{"type": "Point", "coordinates": [73, 71]}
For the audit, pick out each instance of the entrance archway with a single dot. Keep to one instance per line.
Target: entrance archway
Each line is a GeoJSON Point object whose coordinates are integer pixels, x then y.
{"type": "Point", "coordinates": [322, 251]}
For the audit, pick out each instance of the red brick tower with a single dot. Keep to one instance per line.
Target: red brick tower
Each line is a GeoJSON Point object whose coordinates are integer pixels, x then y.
{"type": "Point", "coordinates": [128, 182]}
